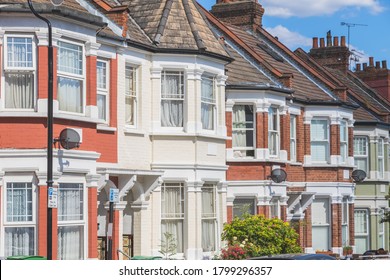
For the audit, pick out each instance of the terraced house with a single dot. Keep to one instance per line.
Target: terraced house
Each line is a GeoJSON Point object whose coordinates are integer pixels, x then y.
{"type": "Point", "coordinates": [193, 117]}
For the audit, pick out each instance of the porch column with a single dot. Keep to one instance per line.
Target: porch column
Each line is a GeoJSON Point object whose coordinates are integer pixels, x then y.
{"type": "Point", "coordinates": [92, 193]}
{"type": "Point", "coordinates": [193, 221]}
{"type": "Point", "coordinates": [116, 227]}
{"type": "Point", "coordinates": [336, 229]}
{"type": "Point", "coordinates": [351, 220]}
{"type": "Point", "coordinates": [142, 234]}
{"type": "Point", "coordinates": [229, 208]}
{"type": "Point", "coordinates": [263, 206]}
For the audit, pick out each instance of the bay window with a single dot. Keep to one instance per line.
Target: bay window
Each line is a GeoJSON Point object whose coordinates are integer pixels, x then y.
{"type": "Point", "coordinates": [130, 95]}
{"type": "Point", "coordinates": [172, 213]}
{"type": "Point", "coordinates": [343, 141]}
{"type": "Point", "coordinates": [19, 72]}
{"type": "Point", "coordinates": [319, 140]}
{"type": "Point", "coordinates": [321, 224]}
{"type": "Point", "coordinates": [273, 131]}
{"type": "Point", "coordinates": [293, 138]}
{"type": "Point", "coordinates": [19, 235]}
{"type": "Point", "coordinates": [360, 150]}
{"type": "Point", "coordinates": [243, 131]}
{"type": "Point", "coordinates": [103, 98]}
{"type": "Point", "coordinates": [70, 221]}
{"type": "Point", "coordinates": [208, 102]}
{"type": "Point", "coordinates": [70, 80]}
{"type": "Point", "coordinates": [275, 207]}
{"type": "Point", "coordinates": [209, 218]}
{"type": "Point", "coordinates": [172, 99]}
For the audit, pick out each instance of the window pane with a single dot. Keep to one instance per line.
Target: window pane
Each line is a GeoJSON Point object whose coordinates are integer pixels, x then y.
{"type": "Point", "coordinates": [360, 146]}
{"type": "Point", "coordinates": [19, 90]}
{"type": "Point", "coordinates": [19, 202]}
{"type": "Point", "coordinates": [70, 202]}
{"type": "Point", "coordinates": [70, 243]}
{"type": "Point", "coordinates": [130, 95]}
{"type": "Point", "coordinates": [70, 58]}
{"type": "Point", "coordinates": [208, 235]}
{"type": "Point", "coordinates": [172, 99]}
{"type": "Point", "coordinates": [243, 206]}
{"type": "Point", "coordinates": [319, 151]}
{"type": "Point", "coordinates": [19, 52]}
{"type": "Point", "coordinates": [19, 241]}
{"type": "Point", "coordinates": [102, 106]}
{"type": "Point", "coordinates": [70, 96]}
{"type": "Point", "coordinates": [319, 130]}
{"type": "Point", "coordinates": [320, 211]}
{"type": "Point", "coordinates": [208, 102]}
{"type": "Point", "coordinates": [101, 69]}
{"type": "Point", "coordinates": [321, 238]}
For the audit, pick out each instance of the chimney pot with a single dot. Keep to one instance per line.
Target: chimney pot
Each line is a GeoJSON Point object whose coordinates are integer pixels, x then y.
{"type": "Point", "coordinates": [364, 66]}
{"type": "Point", "coordinates": [315, 42]}
{"type": "Point", "coordinates": [322, 43]}
{"type": "Point", "coordinates": [358, 67]}
{"type": "Point", "coordinates": [343, 41]}
{"type": "Point", "coordinates": [378, 65]}
{"type": "Point", "coordinates": [384, 64]}
{"type": "Point", "coordinates": [336, 41]}
{"type": "Point", "coordinates": [328, 39]}
{"type": "Point", "coordinates": [371, 61]}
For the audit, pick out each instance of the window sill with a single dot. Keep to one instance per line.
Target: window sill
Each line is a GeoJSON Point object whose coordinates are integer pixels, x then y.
{"type": "Point", "coordinates": [102, 127]}
{"type": "Point", "coordinates": [184, 134]}
{"type": "Point", "coordinates": [133, 131]}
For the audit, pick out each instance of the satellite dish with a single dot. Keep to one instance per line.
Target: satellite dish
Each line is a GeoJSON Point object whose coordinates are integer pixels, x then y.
{"type": "Point", "coordinates": [358, 175]}
{"type": "Point", "coordinates": [57, 2]}
{"type": "Point", "coordinates": [69, 139]}
{"type": "Point", "coordinates": [278, 175]}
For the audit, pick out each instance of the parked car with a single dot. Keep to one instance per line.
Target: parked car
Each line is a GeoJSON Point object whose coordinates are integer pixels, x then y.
{"type": "Point", "coordinates": [295, 257]}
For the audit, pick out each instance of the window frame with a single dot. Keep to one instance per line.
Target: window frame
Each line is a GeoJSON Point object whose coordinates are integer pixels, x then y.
{"type": "Point", "coordinates": [326, 141]}
{"type": "Point", "coordinates": [381, 158]}
{"type": "Point", "coordinates": [367, 234]}
{"type": "Point", "coordinates": [274, 117]}
{"type": "Point", "coordinates": [345, 221]}
{"type": "Point", "coordinates": [210, 216]}
{"type": "Point", "coordinates": [132, 94]}
{"type": "Point", "coordinates": [344, 143]}
{"type": "Point", "coordinates": [181, 95]}
{"type": "Point", "coordinates": [212, 102]}
{"type": "Point", "coordinates": [238, 149]}
{"type": "Point", "coordinates": [104, 91]}
{"type": "Point", "coordinates": [293, 138]}
{"type": "Point", "coordinates": [72, 76]}
{"type": "Point", "coordinates": [365, 156]}
{"type": "Point", "coordinates": [19, 69]}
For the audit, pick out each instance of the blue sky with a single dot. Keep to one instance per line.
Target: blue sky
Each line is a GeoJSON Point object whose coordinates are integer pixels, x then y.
{"type": "Point", "coordinates": [297, 22]}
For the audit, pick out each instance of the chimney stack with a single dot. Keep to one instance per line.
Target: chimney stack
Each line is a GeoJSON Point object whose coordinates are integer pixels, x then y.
{"type": "Point", "coordinates": [315, 42]}
{"type": "Point", "coordinates": [358, 67]}
{"type": "Point", "coordinates": [246, 13]}
{"type": "Point", "coordinates": [384, 64]}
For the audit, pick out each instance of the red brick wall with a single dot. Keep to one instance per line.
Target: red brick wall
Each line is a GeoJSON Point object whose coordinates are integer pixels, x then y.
{"type": "Point", "coordinates": [351, 224]}
{"type": "Point", "coordinates": [42, 220]}
{"type": "Point", "coordinates": [260, 131]}
{"type": "Point", "coordinates": [91, 85]}
{"type": "Point", "coordinates": [229, 214]}
{"type": "Point", "coordinates": [113, 92]}
{"type": "Point", "coordinates": [334, 140]}
{"type": "Point", "coordinates": [285, 133]}
{"type": "Point", "coordinates": [264, 210]}
{"type": "Point", "coordinates": [229, 127]}
{"type": "Point", "coordinates": [308, 228]}
{"type": "Point", "coordinates": [248, 171]}
{"type": "Point", "coordinates": [92, 223]}
{"type": "Point", "coordinates": [336, 225]}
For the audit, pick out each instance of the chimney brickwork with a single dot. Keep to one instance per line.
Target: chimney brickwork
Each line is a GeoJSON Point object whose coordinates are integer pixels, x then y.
{"type": "Point", "coordinates": [334, 53]}
{"type": "Point", "coordinates": [247, 13]}
{"type": "Point", "coordinates": [376, 76]}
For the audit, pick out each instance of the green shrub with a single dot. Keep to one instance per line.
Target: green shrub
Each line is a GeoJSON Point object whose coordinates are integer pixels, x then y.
{"type": "Point", "coordinates": [260, 236]}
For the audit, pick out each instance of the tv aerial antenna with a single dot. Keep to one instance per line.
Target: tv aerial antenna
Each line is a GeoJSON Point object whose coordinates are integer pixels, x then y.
{"type": "Point", "coordinates": [349, 25]}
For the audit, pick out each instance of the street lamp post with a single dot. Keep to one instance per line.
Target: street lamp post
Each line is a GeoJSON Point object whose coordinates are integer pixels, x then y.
{"type": "Point", "coordinates": [50, 138]}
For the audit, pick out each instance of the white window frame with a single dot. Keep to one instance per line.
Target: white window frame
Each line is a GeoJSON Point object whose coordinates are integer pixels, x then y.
{"type": "Point", "coordinates": [18, 224]}
{"type": "Point", "coordinates": [345, 221]}
{"type": "Point", "coordinates": [174, 216]}
{"type": "Point", "coordinates": [293, 138]}
{"type": "Point", "coordinates": [327, 224]}
{"type": "Point", "coordinates": [275, 209]}
{"type": "Point", "coordinates": [72, 76]}
{"type": "Point", "coordinates": [273, 132]}
{"type": "Point", "coordinates": [178, 96]}
{"type": "Point", "coordinates": [19, 69]}
{"type": "Point", "coordinates": [344, 142]}
{"type": "Point", "coordinates": [381, 158]}
{"type": "Point", "coordinates": [104, 91]}
{"type": "Point", "coordinates": [211, 217]}
{"type": "Point", "coordinates": [76, 222]}
{"type": "Point", "coordinates": [362, 155]}
{"type": "Point", "coordinates": [132, 94]}
{"type": "Point", "coordinates": [381, 229]}
{"type": "Point", "coordinates": [325, 141]}
{"type": "Point", "coordinates": [208, 102]}
{"type": "Point", "coordinates": [364, 235]}
{"type": "Point", "coordinates": [237, 150]}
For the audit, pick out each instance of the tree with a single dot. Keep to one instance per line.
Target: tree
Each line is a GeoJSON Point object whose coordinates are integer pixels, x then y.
{"type": "Point", "coordinates": [168, 246]}
{"type": "Point", "coordinates": [386, 216]}
{"type": "Point", "coordinates": [259, 236]}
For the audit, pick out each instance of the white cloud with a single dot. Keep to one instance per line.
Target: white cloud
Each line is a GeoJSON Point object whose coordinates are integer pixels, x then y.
{"type": "Point", "coordinates": [289, 38]}
{"type": "Point", "coordinates": [306, 8]}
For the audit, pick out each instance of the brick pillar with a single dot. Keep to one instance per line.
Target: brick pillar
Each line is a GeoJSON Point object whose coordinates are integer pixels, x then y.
{"type": "Point", "coordinates": [283, 212]}
{"type": "Point", "coordinates": [116, 234]}
{"type": "Point", "coordinates": [42, 73]}
{"type": "Point", "coordinates": [264, 210]}
{"type": "Point", "coordinates": [92, 223]}
{"type": "Point", "coordinates": [229, 213]}
{"type": "Point", "coordinates": [265, 129]}
{"type": "Point", "coordinates": [229, 127]}
{"type": "Point", "coordinates": [55, 232]}
{"type": "Point", "coordinates": [336, 225]}
{"type": "Point", "coordinates": [91, 86]}
{"type": "Point", "coordinates": [260, 130]}
{"type": "Point", "coordinates": [113, 92]}
{"type": "Point", "coordinates": [285, 133]}
{"type": "Point", "coordinates": [42, 221]}
{"type": "Point", "coordinates": [308, 228]}
{"type": "Point", "coordinates": [334, 140]}
{"type": "Point", "coordinates": [55, 63]}
{"type": "Point", "coordinates": [300, 138]}
{"type": "Point", "coordinates": [350, 141]}
{"type": "Point", "coordinates": [306, 139]}
{"type": "Point", "coordinates": [351, 225]}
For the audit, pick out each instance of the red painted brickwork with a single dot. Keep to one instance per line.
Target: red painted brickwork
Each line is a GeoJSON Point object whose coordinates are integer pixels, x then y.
{"type": "Point", "coordinates": [283, 212]}
{"type": "Point", "coordinates": [351, 213]}
{"type": "Point", "coordinates": [260, 130]}
{"type": "Point", "coordinates": [350, 141]}
{"type": "Point", "coordinates": [308, 232]}
{"type": "Point", "coordinates": [300, 138]}
{"type": "Point", "coordinates": [55, 233]}
{"type": "Point", "coordinates": [334, 140]}
{"type": "Point", "coordinates": [92, 223]}
{"type": "Point", "coordinates": [42, 72]}
{"type": "Point", "coordinates": [113, 92]}
{"type": "Point", "coordinates": [91, 85]}
{"type": "Point", "coordinates": [229, 214]}
{"type": "Point", "coordinates": [115, 236]}
{"type": "Point", "coordinates": [229, 126]}
{"type": "Point", "coordinates": [264, 210]}
{"type": "Point", "coordinates": [239, 171]}
{"type": "Point", "coordinates": [336, 225]}
{"type": "Point", "coordinates": [285, 133]}
{"type": "Point", "coordinates": [42, 220]}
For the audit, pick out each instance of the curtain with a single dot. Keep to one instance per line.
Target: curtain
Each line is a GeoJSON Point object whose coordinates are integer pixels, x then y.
{"type": "Point", "coordinates": [19, 202]}
{"type": "Point", "coordinates": [19, 52]}
{"type": "Point", "coordinates": [19, 241]}
{"type": "Point", "coordinates": [361, 230]}
{"type": "Point", "coordinates": [19, 90]}
{"type": "Point", "coordinates": [239, 124]}
{"type": "Point", "coordinates": [208, 219]}
{"type": "Point", "coordinates": [174, 227]}
{"type": "Point", "coordinates": [70, 243]}
{"type": "Point", "coordinates": [70, 96]}
{"type": "Point", "coordinates": [208, 103]}
{"type": "Point", "coordinates": [129, 111]}
{"type": "Point", "coordinates": [130, 95]}
{"type": "Point", "coordinates": [102, 108]}
{"type": "Point", "coordinates": [70, 58]}
{"type": "Point", "coordinates": [70, 202]}
{"type": "Point", "coordinates": [172, 101]}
